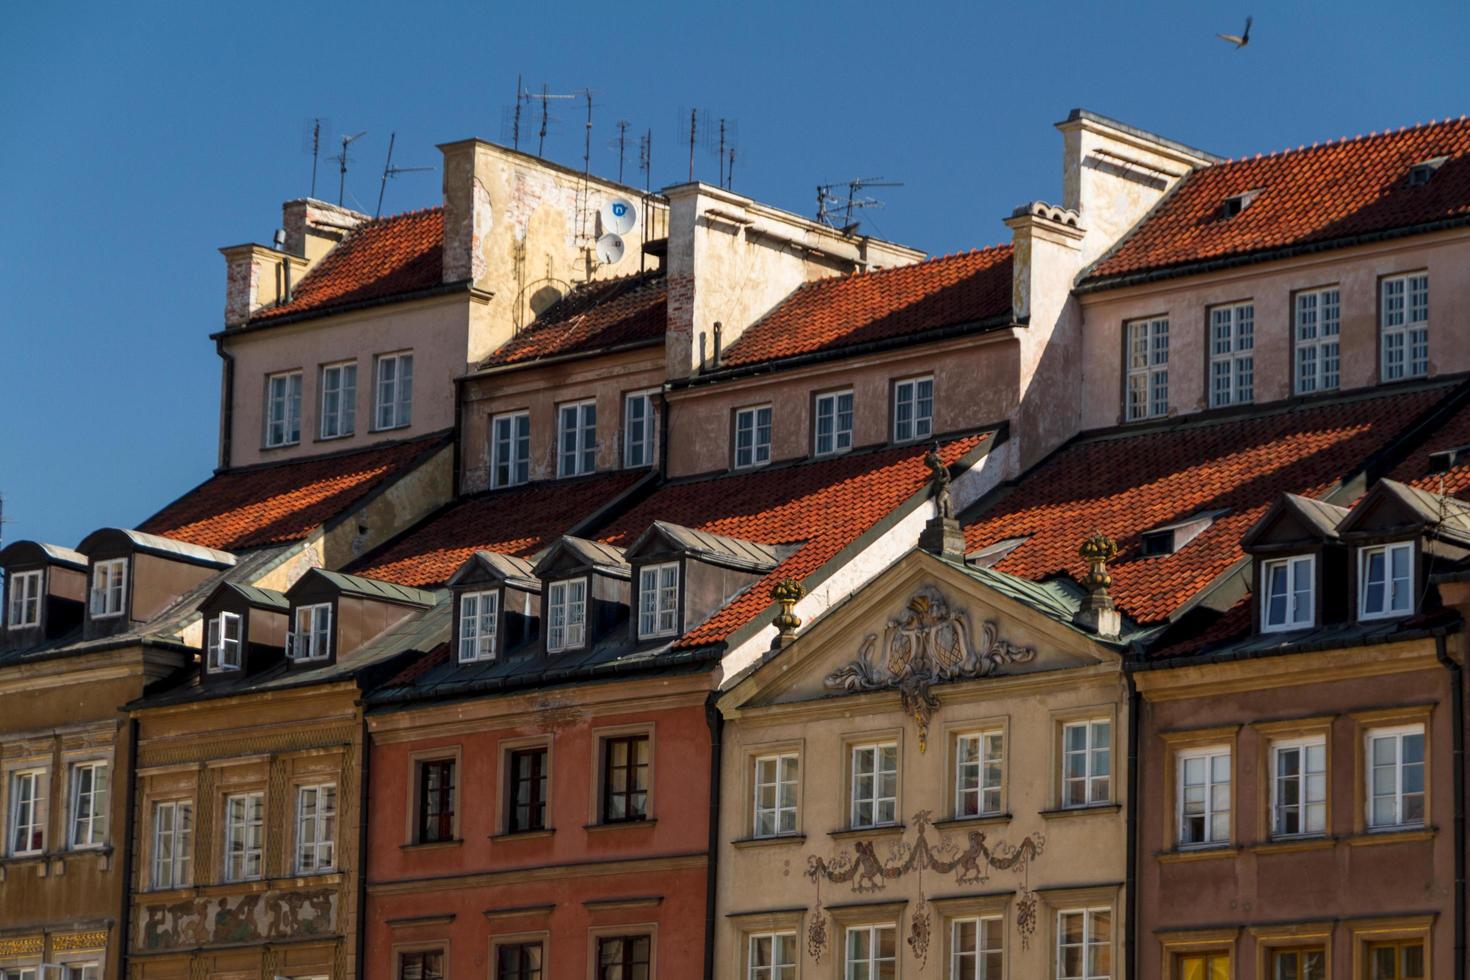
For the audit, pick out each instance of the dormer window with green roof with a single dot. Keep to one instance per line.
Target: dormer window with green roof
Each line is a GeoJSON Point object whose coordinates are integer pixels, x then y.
{"type": "Point", "coordinates": [566, 615]}
{"type": "Point", "coordinates": [223, 647]}
{"type": "Point", "coordinates": [658, 600]}
{"type": "Point", "coordinates": [1289, 602]}
{"type": "Point", "coordinates": [477, 618]}
{"type": "Point", "coordinates": [312, 637]}
{"type": "Point", "coordinates": [1386, 580]}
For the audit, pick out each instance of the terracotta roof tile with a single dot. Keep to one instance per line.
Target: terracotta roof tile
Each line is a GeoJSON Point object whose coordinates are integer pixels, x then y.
{"type": "Point", "coordinates": [377, 260]}
{"type": "Point", "coordinates": [1308, 195]}
{"type": "Point", "coordinates": [830, 314]}
{"type": "Point", "coordinates": [279, 502]}
{"type": "Point", "coordinates": [1128, 483]}
{"type": "Point", "coordinates": [593, 316]}
{"type": "Point", "coordinates": [1415, 470]}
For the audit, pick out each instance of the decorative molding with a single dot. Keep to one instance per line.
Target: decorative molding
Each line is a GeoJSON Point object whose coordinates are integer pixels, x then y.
{"type": "Point", "coordinates": [163, 752]}
{"type": "Point", "coordinates": [206, 920]}
{"type": "Point", "coordinates": [22, 946]}
{"type": "Point", "coordinates": [70, 941]}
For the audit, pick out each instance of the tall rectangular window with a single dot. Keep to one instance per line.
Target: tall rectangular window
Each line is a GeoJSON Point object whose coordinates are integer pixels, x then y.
{"type": "Point", "coordinates": [1318, 324]}
{"type": "Point", "coordinates": [1401, 960]}
{"type": "Point", "coordinates": [576, 438]}
{"type": "Point", "coordinates": [244, 836]}
{"type": "Point", "coordinates": [27, 812]}
{"type": "Point", "coordinates": [1299, 787]}
{"type": "Point", "coordinates": [519, 961]}
{"type": "Point", "coordinates": [1288, 585]}
{"type": "Point", "coordinates": [436, 801]}
{"type": "Point", "coordinates": [1305, 963]}
{"type": "Point", "coordinates": [1212, 965]}
{"type": "Point", "coordinates": [1087, 763]}
{"type": "Point", "coordinates": [979, 772]}
{"type": "Point", "coordinates": [913, 409]}
{"type": "Point", "coordinates": [874, 785]}
{"type": "Point", "coordinates": [624, 958]}
{"type": "Point", "coordinates": [1204, 797]}
{"type": "Point", "coordinates": [832, 432]}
{"type": "Point", "coordinates": [223, 642]}
{"type": "Point", "coordinates": [1395, 768]}
{"type": "Point", "coordinates": [109, 587]}
{"type": "Point", "coordinates": [81, 971]}
{"type": "Point", "coordinates": [526, 802]}
{"type": "Point", "coordinates": [752, 437]}
{"type": "Point", "coordinates": [566, 615]}
{"type": "Point", "coordinates": [1085, 944]}
{"type": "Point", "coordinates": [25, 599]}
{"type": "Point", "coordinates": [977, 948]}
{"type": "Point", "coordinates": [1386, 581]}
{"type": "Point", "coordinates": [478, 614]}
{"type": "Point", "coordinates": [625, 778]}
{"type": "Point", "coordinates": [510, 449]}
{"type": "Point", "coordinates": [283, 409]}
{"type": "Point", "coordinates": [424, 964]}
{"type": "Point", "coordinates": [1404, 324]}
{"type": "Point", "coordinates": [339, 400]}
{"type": "Point", "coordinates": [772, 956]}
{"type": "Point", "coordinates": [89, 792]}
{"type": "Point", "coordinates": [312, 637]}
{"type": "Point", "coordinates": [870, 953]}
{"type": "Point", "coordinates": [395, 391]}
{"type": "Point", "coordinates": [173, 843]}
{"type": "Point", "coordinates": [316, 828]}
{"type": "Point", "coordinates": [775, 795]}
{"type": "Point", "coordinates": [1232, 354]}
{"type": "Point", "coordinates": [638, 429]}
{"type": "Point", "coordinates": [658, 600]}
{"type": "Point", "coordinates": [1148, 369]}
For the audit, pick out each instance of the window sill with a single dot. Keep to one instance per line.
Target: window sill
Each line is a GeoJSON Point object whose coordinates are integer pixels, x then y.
{"type": "Point", "coordinates": [775, 840]}
{"type": "Point", "coordinates": [431, 845]}
{"type": "Point", "coordinates": [980, 820]}
{"type": "Point", "coordinates": [881, 830]}
{"type": "Point", "coordinates": [1197, 854]}
{"type": "Point", "coordinates": [1294, 845]}
{"type": "Point", "coordinates": [1391, 835]}
{"type": "Point", "coordinates": [389, 428]}
{"type": "Point", "coordinates": [336, 438]}
{"type": "Point", "coordinates": [1080, 811]}
{"type": "Point", "coordinates": [511, 835]}
{"type": "Point", "coordinates": [619, 825]}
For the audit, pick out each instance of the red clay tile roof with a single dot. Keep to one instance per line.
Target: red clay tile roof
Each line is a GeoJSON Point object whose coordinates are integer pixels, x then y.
{"type": "Point", "coordinates": [592, 317]}
{"type": "Point", "coordinates": [1126, 484]}
{"type": "Point", "coordinates": [830, 314]}
{"type": "Point", "coordinates": [519, 521]}
{"type": "Point", "coordinates": [377, 260]}
{"type": "Point", "coordinates": [1307, 196]}
{"type": "Point", "coordinates": [279, 502]}
{"type": "Point", "coordinates": [1454, 433]}
{"type": "Point", "coordinates": [822, 505]}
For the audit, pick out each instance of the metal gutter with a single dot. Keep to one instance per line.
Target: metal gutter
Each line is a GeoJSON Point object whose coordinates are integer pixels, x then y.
{"type": "Point", "coordinates": [227, 410]}
{"type": "Point", "coordinates": [716, 721]}
{"type": "Point", "coordinates": [255, 326]}
{"type": "Point", "coordinates": [1457, 721]}
{"type": "Point", "coordinates": [1130, 886]}
{"type": "Point", "coordinates": [130, 824]}
{"type": "Point", "coordinates": [359, 961]}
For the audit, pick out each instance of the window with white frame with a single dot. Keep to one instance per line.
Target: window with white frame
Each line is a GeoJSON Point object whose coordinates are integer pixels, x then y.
{"type": "Point", "coordinates": [27, 812]}
{"type": "Point", "coordinates": [244, 836]}
{"type": "Point", "coordinates": [913, 409]}
{"type": "Point", "coordinates": [510, 449]}
{"type": "Point", "coordinates": [1299, 787]}
{"type": "Point", "coordinates": [18, 973]}
{"type": "Point", "coordinates": [1204, 796]}
{"type": "Point", "coordinates": [312, 637]}
{"type": "Point", "coordinates": [638, 429]}
{"type": "Point", "coordinates": [979, 773]}
{"type": "Point", "coordinates": [874, 784]}
{"type": "Point", "coordinates": [1085, 944]}
{"type": "Point", "coordinates": [576, 438]}
{"type": "Point", "coordinates": [339, 400]}
{"type": "Point", "coordinates": [1148, 369]}
{"type": "Point", "coordinates": [89, 790]}
{"type": "Point", "coordinates": [977, 948]}
{"type": "Point", "coordinates": [173, 843]}
{"type": "Point", "coordinates": [775, 795]}
{"type": "Point", "coordinates": [395, 391]}
{"type": "Point", "coordinates": [1395, 768]}
{"type": "Point", "coordinates": [870, 953]}
{"type": "Point", "coordinates": [81, 971]}
{"type": "Point", "coordinates": [658, 600]}
{"type": "Point", "coordinates": [752, 436]}
{"type": "Point", "coordinates": [1404, 324]}
{"type": "Point", "coordinates": [1232, 354]}
{"type": "Point", "coordinates": [832, 432]}
{"type": "Point", "coordinates": [566, 614]}
{"type": "Point", "coordinates": [477, 617]}
{"type": "Point", "coordinates": [316, 828]}
{"type": "Point", "coordinates": [109, 587]}
{"type": "Point", "coordinates": [1318, 324]}
{"type": "Point", "coordinates": [25, 599]}
{"type": "Point", "coordinates": [223, 642]}
{"type": "Point", "coordinates": [772, 956]}
{"type": "Point", "coordinates": [1087, 762]}
{"type": "Point", "coordinates": [1287, 602]}
{"type": "Point", "coordinates": [1386, 580]}
{"type": "Point", "coordinates": [283, 409]}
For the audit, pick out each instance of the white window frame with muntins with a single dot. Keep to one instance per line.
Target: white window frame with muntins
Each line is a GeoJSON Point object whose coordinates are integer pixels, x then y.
{"type": "Point", "coordinates": [1318, 316]}
{"type": "Point", "coordinates": [1146, 356]}
{"type": "Point", "coordinates": [771, 956]}
{"type": "Point", "coordinates": [478, 615]}
{"type": "Point", "coordinates": [1299, 787]}
{"type": "Point", "coordinates": [576, 438]}
{"type": "Point", "coordinates": [311, 635]}
{"type": "Point", "coordinates": [282, 409]}
{"type": "Point", "coordinates": [1288, 593]}
{"type": "Point", "coordinates": [977, 947]}
{"type": "Point", "coordinates": [1395, 591]}
{"type": "Point", "coordinates": [640, 435]}
{"type": "Point", "coordinates": [1232, 354]}
{"type": "Point", "coordinates": [1394, 762]}
{"type": "Point", "coordinates": [874, 785]}
{"type": "Point", "coordinates": [173, 843]}
{"type": "Point", "coordinates": [339, 400]}
{"type": "Point", "coordinates": [566, 615]}
{"type": "Point", "coordinates": [393, 387]}
{"type": "Point", "coordinates": [1087, 765]}
{"type": "Point", "coordinates": [25, 599]}
{"type": "Point", "coordinates": [244, 836]}
{"type": "Point", "coordinates": [658, 600]}
{"type": "Point", "coordinates": [26, 817]}
{"type": "Point", "coordinates": [752, 437]}
{"type": "Point", "coordinates": [1404, 326]}
{"type": "Point", "coordinates": [1096, 934]}
{"type": "Point", "coordinates": [1202, 807]}
{"type": "Point", "coordinates": [109, 588]}
{"type": "Point", "coordinates": [913, 409]}
{"type": "Point", "coordinates": [510, 449]}
{"type": "Point", "coordinates": [832, 423]}
{"type": "Point", "coordinates": [89, 787]}
{"type": "Point", "coordinates": [862, 951]}
{"type": "Point", "coordinates": [223, 642]}
{"type": "Point", "coordinates": [316, 828]}
{"type": "Point", "coordinates": [775, 794]}
{"type": "Point", "coordinates": [979, 773]}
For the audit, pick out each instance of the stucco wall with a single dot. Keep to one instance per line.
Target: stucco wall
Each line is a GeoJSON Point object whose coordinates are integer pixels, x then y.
{"type": "Point", "coordinates": [385, 514]}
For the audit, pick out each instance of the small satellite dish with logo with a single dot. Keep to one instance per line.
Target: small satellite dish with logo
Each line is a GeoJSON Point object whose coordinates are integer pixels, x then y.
{"type": "Point", "coordinates": [610, 249]}
{"type": "Point", "coordinates": [618, 216]}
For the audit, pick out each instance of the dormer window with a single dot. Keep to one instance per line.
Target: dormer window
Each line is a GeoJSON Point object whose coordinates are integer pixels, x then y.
{"type": "Point", "coordinates": [658, 600]}
{"type": "Point", "coordinates": [311, 639]}
{"type": "Point", "coordinates": [25, 600]}
{"type": "Point", "coordinates": [223, 651]}
{"type": "Point", "coordinates": [477, 616]}
{"type": "Point", "coordinates": [566, 604]}
{"type": "Point", "coordinates": [109, 581]}
{"type": "Point", "coordinates": [1420, 173]}
{"type": "Point", "coordinates": [1288, 585]}
{"type": "Point", "coordinates": [1236, 203]}
{"type": "Point", "coordinates": [1385, 581]}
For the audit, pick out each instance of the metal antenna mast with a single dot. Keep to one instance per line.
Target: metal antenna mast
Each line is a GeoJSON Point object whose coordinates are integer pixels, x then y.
{"type": "Point", "coordinates": [693, 128]}
{"type": "Point", "coordinates": [391, 171]}
{"type": "Point", "coordinates": [316, 148]}
{"type": "Point", "coordinates": [544, 98]}
{"type": "Point", "coordinates": [515, 126]}
{"type": "Point", "coordinates": [622, 146]}
{"type": "Point", "coordinates": [830, 202]}
{"type": "Point", "coordinates": [342, 159]}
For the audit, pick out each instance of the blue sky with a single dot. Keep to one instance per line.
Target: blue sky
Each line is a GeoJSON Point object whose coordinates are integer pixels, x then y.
{"type": "Point", "coordinates": [137, 138]}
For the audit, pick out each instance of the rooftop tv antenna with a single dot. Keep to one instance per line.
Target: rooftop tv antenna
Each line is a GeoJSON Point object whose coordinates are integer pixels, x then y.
{"type": "Point", "coordinates": [698, 123]}
{"type": "Point", "coordinates": [545, 98]}
{"type": "Point", "coordinates": [342, 160]}
{"type": "Point", "coordinates": [311, 142]}
{"type": "Point", "coordinates": [586, 169]}
{"type": "Point", "coordinates": [622, 144]}
{"type": "Point", "coordinates": [722, 141]}
{"type": "Point", "coordinates": [391, 171]}
{"type": "Point", "coordinates": [831, 201]}
{"type": "Point", "coordinates": [645, 165]}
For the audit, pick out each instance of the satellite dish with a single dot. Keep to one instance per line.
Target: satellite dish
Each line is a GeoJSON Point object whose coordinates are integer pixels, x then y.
{"type": "Point", "coordinates": [610, 249]}
{"type": "Point", "coordinates": [618, 216]}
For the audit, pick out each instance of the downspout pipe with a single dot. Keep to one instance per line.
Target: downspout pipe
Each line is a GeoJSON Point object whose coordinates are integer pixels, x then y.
{"type": "Point", "coordinates": [1130, 883]}
{"type": "Point", "coordinates": [130, 826]}
{"type": "Point", "coordinates": [716, 722]}
{"type": "Point", "coordinates": [360, 961]}
{"type": "Point", "coordinates": [227, 409]}
{"type": "Point", "coordinates": [1457, 720]}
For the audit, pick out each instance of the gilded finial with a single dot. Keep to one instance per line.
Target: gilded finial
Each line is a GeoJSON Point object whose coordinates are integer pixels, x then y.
{"type": "Point", "coordinates": [1097, 611]}
{"type": "Point", "coordinates": [787, 592]}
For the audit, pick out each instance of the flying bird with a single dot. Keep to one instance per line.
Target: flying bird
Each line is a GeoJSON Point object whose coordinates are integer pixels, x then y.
{"type": "Point", "coordinates": [1239, 40]}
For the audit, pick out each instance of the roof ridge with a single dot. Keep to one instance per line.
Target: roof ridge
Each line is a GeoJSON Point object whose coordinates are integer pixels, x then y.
{"type": "Point", "coordinates": [1372, 134]}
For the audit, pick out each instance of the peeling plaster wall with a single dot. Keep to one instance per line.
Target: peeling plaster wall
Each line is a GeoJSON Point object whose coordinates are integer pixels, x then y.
{"type": "Point", "coordinates": [409, 499]}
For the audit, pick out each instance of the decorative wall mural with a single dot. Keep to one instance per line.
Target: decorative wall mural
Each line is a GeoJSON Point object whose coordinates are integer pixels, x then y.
{"type": "Point", "coordinates": [238, 918]}
{"type": "Point", "coordinates": [930, 643]}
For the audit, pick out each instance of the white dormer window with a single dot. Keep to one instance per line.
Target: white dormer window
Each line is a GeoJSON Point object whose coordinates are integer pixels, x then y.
{"type": "Point", "coordinates": [1236, 203]}
{"type": "Point", "coordinates": [833, 429]}
{"type": "Point", "coordinates": [658, 600]}
{"type": "Point", "coordinates": [1386, 581]}
{"type": "Point", "coordinates": [109, 583]}
{"type": "Point", "coordinates": [1421, 173]}
{"type": "Point", "coordinates": [224, 642]}
{"type": "Point", "coordinates": [395, 391]}
{"type": "Point", "coordinates": [1287, 587]}
{"type": "Point", "coordinates": [566, 614]}
{"type": "Point", "coordinates": [913, 409]}
{"type": "Point", "coordinates": [477, 614]}
{"type": "Point", "coordinates": [312, 638]}
{"type": "Point", "coordinates": [25, 600]}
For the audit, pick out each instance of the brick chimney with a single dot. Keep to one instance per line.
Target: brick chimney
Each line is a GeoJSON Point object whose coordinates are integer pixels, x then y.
{"type": "Point", "coordinates": [313, 227]}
